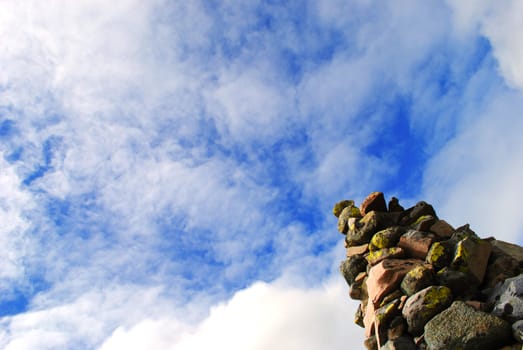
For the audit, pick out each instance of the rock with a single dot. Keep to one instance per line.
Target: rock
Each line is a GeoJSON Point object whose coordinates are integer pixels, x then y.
{"type": "Point", "coordinates": [462, 327]}
{"type": "Point", "coordinates": [371, 343]}
{"type": "Point", "coordinates": [401, 343]}
{"type": "Point", "coordinates": [376, 256]}
{"type": "Point", "coordinates": [344, 219]}
{"type": "Point", "coordinates": [416, 243]}
{"type": "Point", "coordinates": [423, 223]}
{"type": "Point", "coordinates": [338, 207]}
{"type": "Point", "coordinates": [386, 238]}
{"type": "Point", "coordinates": [358, 316]}
{"type": "Point", "coordinates": [500, 267]}
{"type": "Point", "coordinates": [412, 214]}
{"type": "Point", "coordinates": [357, 250]}
{"type": "Point", "coordinates": [366, 227]}
{"type": "Point", "coordinates": [425, 304]}
{"type": "Point", "coordinates": [352, 266]}
{"type": "Point", "coordinates": [397, 327]}
{"type": "Point", "coordinates": [440, 254]}
{"type": "Point", "coordinates": [509, 249]}
{"type": "Point", "coordinates": [394, 205]}
{"type": "Point", "coordinates": [417, 279]}
{"type": "Point", "coordinates": [459, 282]}
{"type": "Point", "coordinates": [358, 289]}
{"type": "Point", "coordinates": [471, 256]}
{"type": "Point", "coordinates": [517, 330]}
{"type": "Point", "coordinates": [508, 299]}
{"type": "Point", "coordinates": [442, 229]}
{"type": "Point", "coordinates": [386, 276]}
{"type": "Point", "coordinates": [374, 201]}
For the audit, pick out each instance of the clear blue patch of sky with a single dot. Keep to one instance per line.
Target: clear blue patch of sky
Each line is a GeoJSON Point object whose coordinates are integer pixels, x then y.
{"type": "Point", "coordinates": [49, 148]}
{"type": "Point", "coordinates": [18, 300]}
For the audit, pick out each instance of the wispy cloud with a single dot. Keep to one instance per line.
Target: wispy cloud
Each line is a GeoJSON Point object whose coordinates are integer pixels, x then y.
{"type": "Point", "coordinates": [160, 158]}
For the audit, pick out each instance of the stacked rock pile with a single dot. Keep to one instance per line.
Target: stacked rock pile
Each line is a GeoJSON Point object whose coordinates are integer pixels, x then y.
{"type": "Point", "coordinates": [426, 285]}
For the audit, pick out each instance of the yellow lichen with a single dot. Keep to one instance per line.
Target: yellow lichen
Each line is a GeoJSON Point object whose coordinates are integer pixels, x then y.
{"type": "Point", "coordinates": [436, 297]}
{"type": "Point", "coordinates": [421, 218]}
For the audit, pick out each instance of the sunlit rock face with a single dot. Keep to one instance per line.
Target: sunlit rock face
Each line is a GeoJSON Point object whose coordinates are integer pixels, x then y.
{"type": "Point", "coordinates": [424, 284]}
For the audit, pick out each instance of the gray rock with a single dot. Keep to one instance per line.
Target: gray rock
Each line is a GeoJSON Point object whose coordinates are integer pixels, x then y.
{"type": "Point", "coordinates": [508, 299]}
{"type": "Point", "coordinates": [401, 343]}
{"type": "Point", "coordinates": [410, 215]}
{"type": "Point", "coordinates": [352, 266]}
{"type": "Point", "coordinates": [517, 331]}
{"type": "Point", "coordinates": [459, 282]}
{"type": "Point", "coordinates": [461, 327]}
{"type": "Point", "coordinates": [425, 304]}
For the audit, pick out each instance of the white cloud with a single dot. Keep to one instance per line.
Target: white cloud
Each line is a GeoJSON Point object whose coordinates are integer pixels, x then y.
{"type": "Point", "coordinates": [500, 23]}
{"type": "Point", "coordinates": [259, 317]}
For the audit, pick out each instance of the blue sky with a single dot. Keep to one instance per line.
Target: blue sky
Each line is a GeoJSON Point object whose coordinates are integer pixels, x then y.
{"type": "Point", "coordinates": [168, 168]}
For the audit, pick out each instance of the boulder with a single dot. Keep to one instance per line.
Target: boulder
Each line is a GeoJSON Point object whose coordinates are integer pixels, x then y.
{"type": "Point", "coordinates": [401, 343]}
{"type": "Point", "coordinates": [352, 266]}
{"type": "Point", "coordinates": [394, 205]}
{"type": "Point", "coordinates": [440, 254]}
{"type": "Point", "coordinates": [471, 256]}
{"type": "Point", "coordinates": [386, 276]}
{"type": "Point", "coordinates": [386, 238]}
{"type": "Point", "coordinates": [417, 279]}
{"type": "Point", "coordinates": [459, 282]}
{"type": "Point", "coordinates": [344, 219]}
{"type": "Point", "coordinates": [357, 250]}
{"type": "Point", "coordinates": [363, 229]}
{"type": "Point", "coordinates": [410, 215]}
{"type": "Point", "coordinates": [338, 207]}
{"type": "Point", "coordinates": [374, 201]}
{"type": "Point", "coordinates": [461, 327]}
{"type": "Point", "coordinates": [509, 249]}
{"type": "Point", "coordinates": [377, 256]}
{"type": "Point", "coordinates": [416, 243]}
{"type": "Point", "coordinates": [517, 331]}
{"type": "Point", "coordinates": [508, 299]}
{"type": "Point", "coordinates": [442, 229]}
{"type": "Point", "coordinates": [425, 304]}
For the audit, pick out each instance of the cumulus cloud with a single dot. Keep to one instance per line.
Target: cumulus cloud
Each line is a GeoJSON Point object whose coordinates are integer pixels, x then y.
{"type": "Point", "coordinates": [259, 317]}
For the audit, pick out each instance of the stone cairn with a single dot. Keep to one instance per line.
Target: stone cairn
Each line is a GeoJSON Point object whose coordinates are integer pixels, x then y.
{"type": "Point", "coordinates": [426, 285]}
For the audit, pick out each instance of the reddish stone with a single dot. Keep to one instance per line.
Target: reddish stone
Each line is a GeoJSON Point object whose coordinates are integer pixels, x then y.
{"type": "Point", "coordinates": [416, 243]}
{"type": "Point", "coordinates": [357, 250]}
{"type": "Point", "coordinates": [442, 229]}
{"type": "Point", "coordinates": [374, 201]}
{"type": "Point", "coordinates": [386, 276]}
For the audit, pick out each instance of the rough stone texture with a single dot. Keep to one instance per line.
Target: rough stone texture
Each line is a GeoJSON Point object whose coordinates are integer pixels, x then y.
{"type": "Point", "coordinates": [377, 256]}
{"type": "Point", "coordinates": [461, 327]}
{"type": "Point", "coordinates": [442, 229]}
{"type": "Point", "coordinates": [401, 343]}
{"type": "Point", "coordinates": [459, 282]}
{"type": "Point", "coordinates": [500, 267]}
{"type": "Point", "coordinates": [510, 249]}
{"type": "Point", "coordinates": [424, 305]}
{"type": "Point", "coordinates": [412, 214]}
{"type": "Point", "coordinates": [386, 276]}
{"type": "Point", "coordinates": [508, 299]}
{"type": "Point", "coordinates": [440, 254]}
{"type": "Point", "coordinates": [344, 219]}
{"type": "Point", "coordinates": [471, 256]}
{"type": "Point", "coordinates": [365, 228]}
{"type": "Point", "coordinates": [416, 243]}
{"type": "Point", "coordinates": [357, 250]}
{"type": "Point", "coordinates": [417, 279]}
{"type": "Point", "coordinates": [394, 205]}
{"type": "Point", "coordinates": [401, 296]}
{"type": "Point", "coordinates": [338, 207]}
{"type": "Point", "coordinates": [386, 238]}
{"type": "Point", "coordinates": [374, 201]}
{"type": "Point", "coordinates": [352, 266]}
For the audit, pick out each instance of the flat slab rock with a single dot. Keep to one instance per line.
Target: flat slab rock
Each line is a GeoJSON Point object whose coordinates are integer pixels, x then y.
{"type": "Point", "coordinates": [461, 327]}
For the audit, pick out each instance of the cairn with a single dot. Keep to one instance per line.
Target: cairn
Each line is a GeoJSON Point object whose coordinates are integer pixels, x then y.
{"type": "Point", "coordinates": [423, 284]}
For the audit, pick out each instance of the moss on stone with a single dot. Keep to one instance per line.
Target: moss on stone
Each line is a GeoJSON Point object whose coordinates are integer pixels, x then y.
{"type": "Point", "coordinates": [338, 207]}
